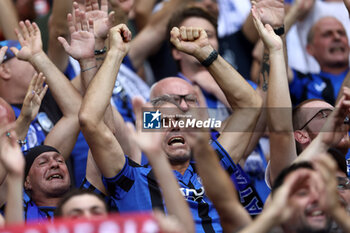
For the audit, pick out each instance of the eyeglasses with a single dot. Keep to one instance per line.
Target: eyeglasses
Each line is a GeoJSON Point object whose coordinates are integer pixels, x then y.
{"type": "Point", "coordinates": [323, 113]}
{"type": "Point", "coordinates": [343, 183]}
{"type": "Point", "coordinates": [174, 99]}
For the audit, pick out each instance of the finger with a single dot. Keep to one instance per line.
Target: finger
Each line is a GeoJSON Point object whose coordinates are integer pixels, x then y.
{"type": "Point", "coordinates": [19, 36]}
{"type": "Point", "coordinates": [88, 6]}
{"type": "Point", "coordinates": [126, 33]}
{"type": "Point", "coordinates": [174, 37]}
{"type": "Point", "coordinates": [33, 82]}
{"type": "Point", "coordinates": [137, 104]}
{"type": "Point", "coordinates": [85, 23]}
{"type": "Point", "coordinates": [43, 92]}
{"type": "Point", "coordinates": [36, 29]}
{"type": "Point", "coordinates": [196, 33]}
{"type": "Point", "coordinates": [189, 33]}
{"type": "Point", "coordinates": [104, 6]}
{"type": "Point", "coordinates": [183, 34]}
{"type": "Point", "coordinates": [70, 21]}
{"type": "Point", "coordinates": [24, 30]}
{"type": "Point", "coordinates": [91, 26]}
{"type": "Point", "coordinates": [111, 18]}
{"type": "Point", "coordinates": [3, 51]}
{"type": "Point", "coordinates": [64, 43]}
{"type": "Point", "coordinates": [77, 20]}
{"type": "Point", "coordinates": [94, 4]}
{"type": "Point", "coordinates": [14, 50]}
{"type": "Point", "coordinates": [269, 28]}
{"type": "Point", "coordinates": [41, 79]}
{"type": "Point", "coordinates": [30, 28]}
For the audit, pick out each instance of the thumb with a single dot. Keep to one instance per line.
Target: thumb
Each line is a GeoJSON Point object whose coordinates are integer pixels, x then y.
{"type": "Point", "coordinates": [14, 50]}
{"type": "Point", "coordinates": [64, 43]}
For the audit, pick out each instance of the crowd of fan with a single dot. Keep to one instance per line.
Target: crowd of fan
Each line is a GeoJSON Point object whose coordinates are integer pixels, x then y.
{"type": "Point", "coordinates": [76, 80]}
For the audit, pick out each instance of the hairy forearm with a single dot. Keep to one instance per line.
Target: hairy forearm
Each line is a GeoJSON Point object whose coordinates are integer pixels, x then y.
{"type": "Point", "coordinates": [229, 79]}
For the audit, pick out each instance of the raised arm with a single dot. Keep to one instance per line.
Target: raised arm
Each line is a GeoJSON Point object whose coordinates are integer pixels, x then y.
{"type": "Point", "coordinates": [218, 185]}
{"type": "Point", "coordinates": [104, 146]}
{"type": "Point", "coordinates": [63, 135]}
{"type": "Point", "coordinates": [58, 27]}
{"type": "Point", "coordinates": [8, 19]}
{"type": "Point", "coordinates": [327, 169]}
{"type": "Point", "coordinates": [153, 34]}
{"type": "Point", "coordinates": [31, 104]}
{"type": "Point", "coordinates": [279, 113]}
{"type": "Point", "coordinates": [280, 209]}
{"type": "Point", "coordinates": [151, 144]}
{"type": "Point", "coordinates": [12, 160]}
{"type": "Point", "coordinates": [244, 99]}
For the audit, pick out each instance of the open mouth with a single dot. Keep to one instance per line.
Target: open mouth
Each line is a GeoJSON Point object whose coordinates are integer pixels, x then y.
{"type": "Point", "coordinates": [55, 176]}
{"type": "Point", "coordinates": [177, 140]}
{"type": "Point", "coordinates": [316, 213]}
{"type": "Point", "coordinates": [337, 49]}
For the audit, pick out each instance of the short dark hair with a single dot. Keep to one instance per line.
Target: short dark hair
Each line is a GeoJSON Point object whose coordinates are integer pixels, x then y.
{"type": "Point", "coordinates": [73, 193]}
{"type": "Point", "coordinates": [285, 172]}
{"type": "Point", "coordinates": [296, 120]}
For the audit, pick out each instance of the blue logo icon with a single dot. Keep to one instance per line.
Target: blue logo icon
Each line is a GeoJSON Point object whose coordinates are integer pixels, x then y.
{"type": "Point", "coordinates": [151, 120]}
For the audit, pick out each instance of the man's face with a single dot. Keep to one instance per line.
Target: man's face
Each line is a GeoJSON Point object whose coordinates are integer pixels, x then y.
{"type": "Point", "coordinates": [330, 45]}
{"type": "Point", "coordinates": [84, 206]}
{"type": "Point", "coordinates": [344, 189]}
{"type": "Point", "coordinates": [179, 98]}
{"type": "Point", "coordinates": [308, 216]}
{"type": "Point", "coordinates": [314, 115]}
{"type": "Point", "coordinates": [188, 61]}
{"type": "Point", "coordinates": [21, 71]}
{"type": "Point", "coordinates": [48, 176]}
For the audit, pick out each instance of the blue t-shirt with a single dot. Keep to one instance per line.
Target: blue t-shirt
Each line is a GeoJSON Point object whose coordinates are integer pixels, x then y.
{"type": "Point", "coordinates": [323, 85]}
{"type": "Point", "coordinates": [135, 188]}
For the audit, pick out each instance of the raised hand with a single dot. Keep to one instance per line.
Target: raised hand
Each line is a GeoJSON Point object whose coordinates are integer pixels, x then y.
{"type": "Point", "coordinates": [11, 155]}
{"type": "Point", "coordinates": [82, 42]}
{"type": "Point", "coordinates": [148, 142]}
{"type": "Point", "coordinates": [29, 37]}
{"type": "Point", "coordinates": [270, 39]}
{"type": "Point", "coordinates": [327, 169]}
{"type": "Point", "coordinates": [193, 41]}
{"type": "Point", "coordinates": [334, 130]}
{"type": "Point", "coordinates": [35, 94]}
{"type": "Point", "coordinates": [101, 19]}
{"type": "Point", "coordinates": [2, 53]}
{"type": "Point", "coordinates": [119, 38]}
{"type": "Point", "coordinates": [270, 11]}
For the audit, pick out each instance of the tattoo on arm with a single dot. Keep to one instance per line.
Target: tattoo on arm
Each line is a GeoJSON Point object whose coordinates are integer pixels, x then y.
{"type": "Point", "coordinates": [265, 71]}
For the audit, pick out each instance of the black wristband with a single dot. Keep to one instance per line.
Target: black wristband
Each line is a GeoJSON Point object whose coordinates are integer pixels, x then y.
{"type": "Point", "coordinates": [210, 59]}
{"type": "Point", "coordinates": [279, 31]}
{"type": "Point", "coordinates": [101, 51]}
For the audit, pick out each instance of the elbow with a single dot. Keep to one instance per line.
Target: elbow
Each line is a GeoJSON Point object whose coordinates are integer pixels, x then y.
{"type": "Point", "coordinates": [86, 120]}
